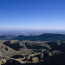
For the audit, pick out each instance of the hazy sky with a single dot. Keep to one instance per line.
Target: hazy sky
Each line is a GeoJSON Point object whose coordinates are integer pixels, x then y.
{"type": "Point", "coordinates": [32, 14]}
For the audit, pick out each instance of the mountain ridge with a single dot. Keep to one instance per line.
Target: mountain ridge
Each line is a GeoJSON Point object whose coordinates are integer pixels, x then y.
{"type": "Point", "coordinates": [42, 37]}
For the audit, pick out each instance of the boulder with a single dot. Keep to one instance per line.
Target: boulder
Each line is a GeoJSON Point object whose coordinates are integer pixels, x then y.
{"type": "Point", "coordinates": [35, 60]}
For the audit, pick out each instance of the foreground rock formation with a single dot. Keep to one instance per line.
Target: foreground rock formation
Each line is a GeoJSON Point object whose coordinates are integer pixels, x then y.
{"type": "Point", "coordinates": [15, 52]}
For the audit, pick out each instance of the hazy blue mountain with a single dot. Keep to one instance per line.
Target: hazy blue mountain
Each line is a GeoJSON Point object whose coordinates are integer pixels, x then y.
{"type": "Point", "coordinates": [42, 37]}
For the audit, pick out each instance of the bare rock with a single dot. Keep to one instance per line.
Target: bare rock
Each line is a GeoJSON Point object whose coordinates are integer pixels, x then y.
{"type": "Point", "coordinates": [35, 60]}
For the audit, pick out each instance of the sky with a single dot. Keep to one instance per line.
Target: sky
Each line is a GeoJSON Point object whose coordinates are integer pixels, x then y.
{"type": "Point", "coordinates": [32, 14]}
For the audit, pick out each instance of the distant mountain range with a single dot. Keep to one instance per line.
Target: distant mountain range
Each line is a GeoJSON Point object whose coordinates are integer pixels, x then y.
{"type": "Point", "coordinates": [42, 37]}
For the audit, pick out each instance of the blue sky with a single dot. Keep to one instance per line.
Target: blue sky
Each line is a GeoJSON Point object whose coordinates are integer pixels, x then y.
{"type": "Point", "coordinates": [32, 14]}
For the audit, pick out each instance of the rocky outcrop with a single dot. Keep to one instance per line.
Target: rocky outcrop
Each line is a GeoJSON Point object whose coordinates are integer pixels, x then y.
{"type": "Point", "coordinates": [2, 61]}
{"type": "Point", "coordinates": [32, 52]}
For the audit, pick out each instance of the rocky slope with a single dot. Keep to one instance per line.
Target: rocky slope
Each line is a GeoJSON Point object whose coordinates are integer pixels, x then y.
{"type": "Point", "coordinates": [15, 52]}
